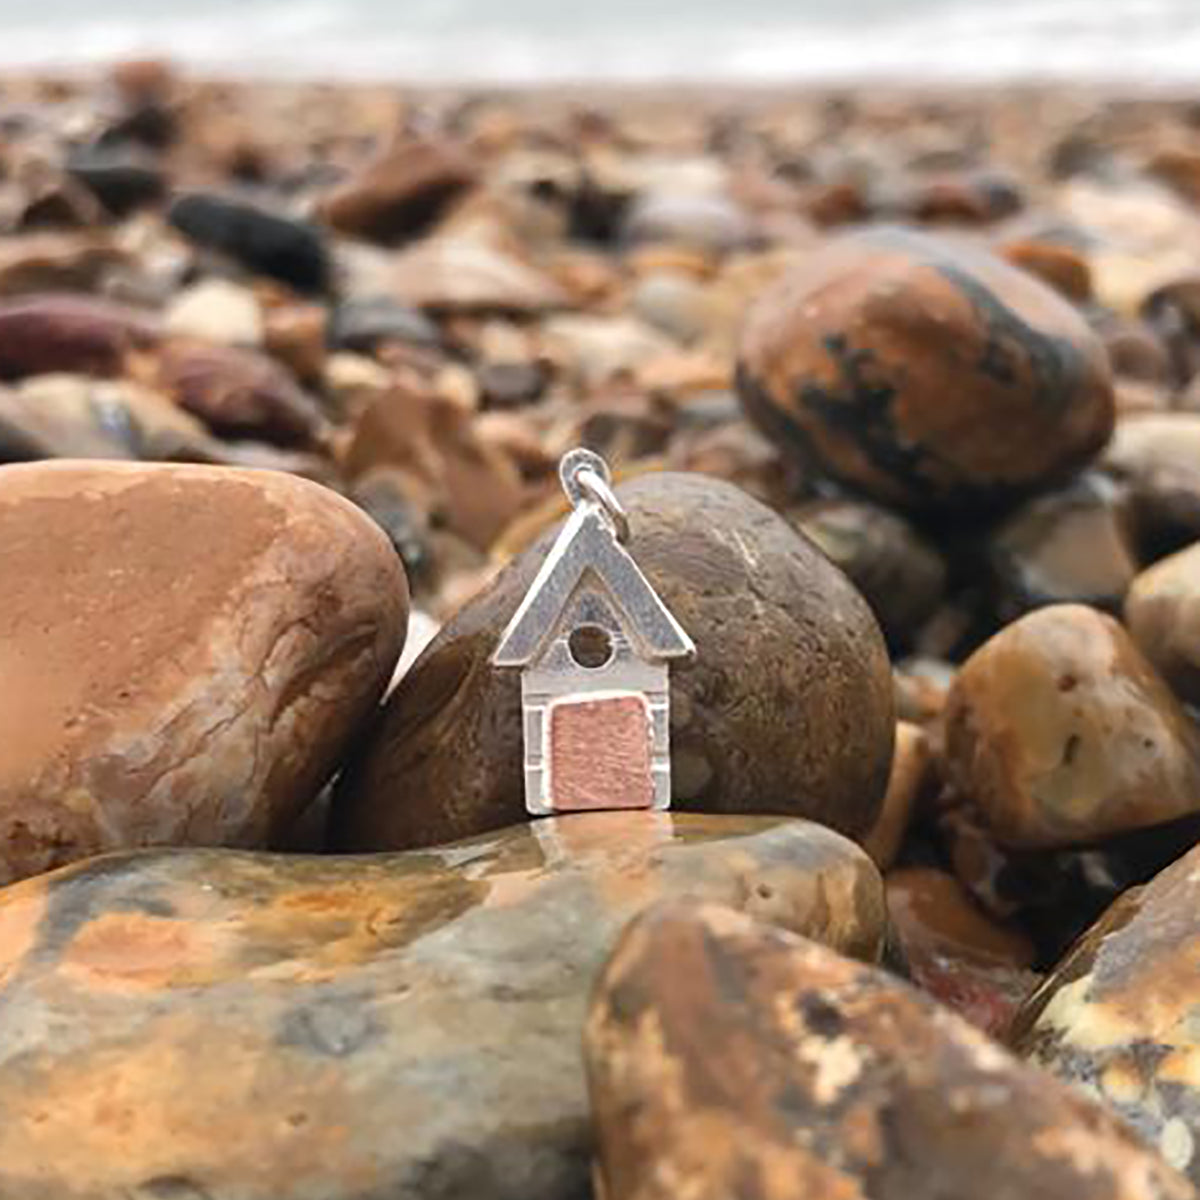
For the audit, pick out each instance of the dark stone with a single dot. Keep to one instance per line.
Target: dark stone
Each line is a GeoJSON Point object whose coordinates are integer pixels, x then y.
{"type": "Point", "coordinates": [280, 247]}
{"type": "Point", "coordinates": [360, 323]}
{"type": "Point", "coordinates": [121, 180]}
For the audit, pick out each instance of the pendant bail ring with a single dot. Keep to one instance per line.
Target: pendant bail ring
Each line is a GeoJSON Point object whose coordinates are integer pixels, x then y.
{"type": "Point", "coordinates": [587, 480]}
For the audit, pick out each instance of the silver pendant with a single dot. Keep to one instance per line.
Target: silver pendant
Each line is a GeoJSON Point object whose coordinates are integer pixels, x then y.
{"type": "Point", "coordinates": [593, 642]}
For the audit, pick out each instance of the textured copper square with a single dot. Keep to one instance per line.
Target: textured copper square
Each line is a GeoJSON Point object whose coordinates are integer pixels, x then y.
{"type": "Point", "coordinates": [600, 753]}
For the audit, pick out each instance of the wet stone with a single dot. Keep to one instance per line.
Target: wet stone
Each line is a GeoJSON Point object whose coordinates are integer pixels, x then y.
{"type": "Point", "coordinates": [1163, 615]}
{"type": "Point", "coordinates": [899, 573]}
{"type": "Point", "coordinates": [255, 1026]}
{"type": "Point", "coordinates": [122, 179]}
{"type": "Point", "coordinates": [187, 651]}
{"type": "Point", "coordinates": [1119, 1015]}
{"type": "Point", "coordinates": [1060, 732]}
{"type": "Point", "coordinates": [727, 1058]}
{"type": "Point", "coordinates": [1073, 546]}
{"type": "Point", "coordinates": [924, 374]}
{"type": "Point", "coordinates": [784, 644]}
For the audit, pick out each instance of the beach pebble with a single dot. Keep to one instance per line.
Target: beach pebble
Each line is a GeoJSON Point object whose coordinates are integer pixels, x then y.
{"type": "Point", "coordinates": [235, 392]}
{"type": "Point", "coordinates": [924, 374]}
{"type": "Point", "coordinates": [1157, 458]}
{"type": "Point", "coordinates": [361, 323]}
{"type": "Point", "coordinates": [1118, 1016]}
{"type": "Point", "coordinates": [186, 652]}
{"type": "Point", "coordinates": [453, 274]}
{"type": "Point", "coordinates": [73, 416]}
{"type": "Point", "coordinates": [1060, 732]}
{"type": "Point", "coordinates": [901, 575]}
{"type": "Point", "coordinates": [728, 1058]}
{"type": "Point", "coordinates": [121, 178]}
{"type": "Point", "coordinates": [401, 194]}
{"type": "Point", "coordinates": [787, 707]}
{"type": "Point", "coordinates": [913, 777]}
{"type": "Point", "coordinates": [268, 1025]}
{"type": "Point", "coordinates": [1073, 545]}
{"type": "Point", "coordinates": [58, 262]}
{"type": "Point", "coordinates": [1163, 615]}
{"type": "Point", "coordinates": [707, 221]}
{"type": "Point", "coordinates": [974, 964]}
{"type": "Point", "coordinates": [263, 241]}
{"type": "Point", "coordinates": [63, 333]}
{"type": "Point", "coordinates": [216, 310]}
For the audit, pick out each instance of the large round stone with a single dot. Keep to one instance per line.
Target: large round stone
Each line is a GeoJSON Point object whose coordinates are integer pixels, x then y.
{"type": "Point", "coordinates": [787, 707]}
{"type": "Point", "coordinates": [233, 1026]}
{"type": "Point", "coordinates": [925, 374]}
{"type": "Point", "coordinates": [184, 651]}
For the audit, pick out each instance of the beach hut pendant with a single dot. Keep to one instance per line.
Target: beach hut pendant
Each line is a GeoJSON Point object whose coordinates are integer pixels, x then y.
{"type": "Point", "coordinates": [593, 642]}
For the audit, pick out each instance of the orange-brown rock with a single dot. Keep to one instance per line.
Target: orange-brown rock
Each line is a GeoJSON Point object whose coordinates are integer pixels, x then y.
{"type": "Point", "coordinates": [786, 709]}
{"type": "Point", "coordinates": [235, 392]}
{"type": "Point", "coordinates": [1059, 732]}
{"type": "Point", "coordinates": [924, 374]}
{"type": "Point", "coordinates": [77, 334]}
{"type": "Point", "coordinates": [401, 194]}
{"type": "Point", "coordinates": [1064, 269]}
{"type": "Point", "coordinates": [52, 262]}
{"type": "Point", "coordinates": [967, 959]}
{"type": "Point", "coordinates": [470, 484]}
{"type": "Point", "coordinates": [1163, 614]}
{"type": "Point", "coordinates": [186, 651]}
{"type": "Point", "coordinates": [728, 1058]}
{"type": "Point", "coordinates": [264, 1027]}
{"type": "Point", "coordinates": [914, 773]}
{"type": "Point", "coordinates": [1119, 1016]}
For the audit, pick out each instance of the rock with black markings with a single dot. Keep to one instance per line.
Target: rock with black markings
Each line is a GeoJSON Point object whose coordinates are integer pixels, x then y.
{"type": "Point", "coordinates": [727, 1058]}
{"type": "Point", "coordinates": [1120, 1015]}
{"type": "Point", "coordinates": [924, 374]}
{"type": "Point", "coordinates": [241, 1026]}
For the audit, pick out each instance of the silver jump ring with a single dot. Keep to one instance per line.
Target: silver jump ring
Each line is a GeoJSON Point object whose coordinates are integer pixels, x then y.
{"type": "Point", "coordinates": [586, 478]}
{"type": "Point", "coordinates": [596, 489]}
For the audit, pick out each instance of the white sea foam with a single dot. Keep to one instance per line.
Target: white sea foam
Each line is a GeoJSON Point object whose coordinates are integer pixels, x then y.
{"type": "Point", "coordinates": [502, 41]}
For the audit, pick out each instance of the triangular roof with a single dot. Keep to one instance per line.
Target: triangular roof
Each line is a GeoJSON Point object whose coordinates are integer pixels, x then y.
{"type": "Point", "coordinates": [586, 543]}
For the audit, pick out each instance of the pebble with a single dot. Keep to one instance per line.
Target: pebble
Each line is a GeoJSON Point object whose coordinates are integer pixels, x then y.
{"type": "Point", "coordinates": [465, 274]}
{"type": "Point", "coordinates": [784, 644]}
{"type": "Point", "coordinates": [76, 334]}
{"type": "Point", "coordinates": [1072, 546]}
{"type": "Point", "coordinates": [924, 374]}
{"type": "Point", "coordinates": [187, 651]}
{"type": "Point", "coordinates": [1060, 732]}
{"type": "Point", "coordinates": [216, 310]}
{"type": "Point", "coordinates": [901, 576]}
{"type": "Point", "coordinates": [72, 416]}
{"type": "Point", "coordinates": [913, 777]}
{"type": "Point", "coordinates": [265, 1025]}
{"type": "Point", "coordinates": [361, 323]}
{"type": "Point", "coordinates": [235, 392]}
{"type": "Point", "coordinates": [262, 240]}
{"type": "Point", "coordinates": [401, 194]}
{"type": "Point", "coordinates": [1156, 457]}
{"type": "Point", "coordinates": [1117, 1017]}
{"type": "Point", "coordinates": [122, 179]}
{"type": "Point", "coordinates": [1163, 615]}
{"type": "Point", "coordinates": [730, 1058]}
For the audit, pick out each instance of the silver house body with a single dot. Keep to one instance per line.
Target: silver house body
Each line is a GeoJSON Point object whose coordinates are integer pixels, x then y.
{"type": "Point", "coordinates": [593, 642]}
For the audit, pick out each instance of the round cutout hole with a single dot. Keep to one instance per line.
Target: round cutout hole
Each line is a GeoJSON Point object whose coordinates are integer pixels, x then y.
{"type": "Point", "coordinates": [590, 646]}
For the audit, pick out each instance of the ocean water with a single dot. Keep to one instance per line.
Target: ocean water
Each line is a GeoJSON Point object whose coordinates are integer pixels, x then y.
{"type": "Point", "coordinates": [1151, 42]}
